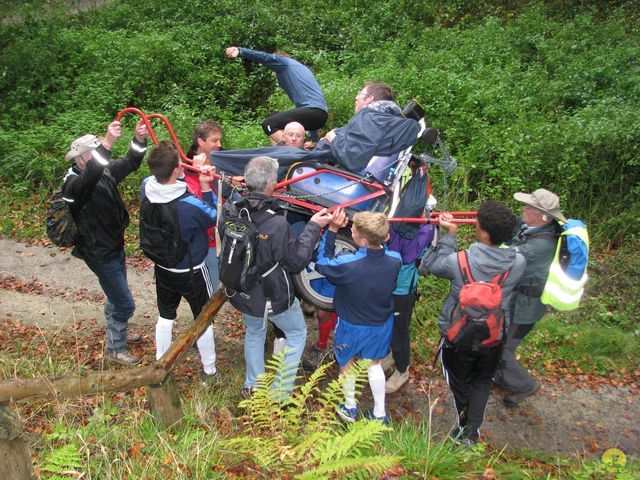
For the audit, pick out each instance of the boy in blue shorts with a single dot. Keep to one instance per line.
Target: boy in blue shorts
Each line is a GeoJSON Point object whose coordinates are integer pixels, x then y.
{"type": "Point", "coordinates": [364, 281]}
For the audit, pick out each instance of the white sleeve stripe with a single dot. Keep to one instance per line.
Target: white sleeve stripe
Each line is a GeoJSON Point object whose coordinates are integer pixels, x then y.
{"type": "Point", "coordinates": [137, 147]}
{"type": "Point", "coordinates": [99, 158]}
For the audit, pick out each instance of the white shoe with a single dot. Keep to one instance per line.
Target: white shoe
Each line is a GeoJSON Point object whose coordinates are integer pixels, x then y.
{"type": "Point", "coordinates": [396, 381]}
{"type": "Point", "coordinates": [278, 345]}
{"type": "Point", "coordinates": [387, 362]}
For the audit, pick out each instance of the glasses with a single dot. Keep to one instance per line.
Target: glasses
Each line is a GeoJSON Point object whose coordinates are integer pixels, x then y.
{"type": "Point", "coordinates": [362, 94]}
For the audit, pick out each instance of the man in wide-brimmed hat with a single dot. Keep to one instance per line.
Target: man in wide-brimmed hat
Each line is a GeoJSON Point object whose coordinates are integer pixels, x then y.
{"type": "Point", "coordinates": [537, 241]}
{"type": "Point", "coordinates": [91, 191]}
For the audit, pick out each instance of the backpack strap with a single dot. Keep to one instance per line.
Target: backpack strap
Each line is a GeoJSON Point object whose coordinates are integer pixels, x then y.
{"type": "Point", "coordinates": [465, 270]}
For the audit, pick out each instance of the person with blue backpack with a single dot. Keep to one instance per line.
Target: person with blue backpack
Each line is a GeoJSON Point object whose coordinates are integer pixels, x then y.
{"type": "Point", "coordinates": [536, 240]}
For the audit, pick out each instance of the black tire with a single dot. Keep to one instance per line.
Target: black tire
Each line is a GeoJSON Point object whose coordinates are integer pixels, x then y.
{"type": "Point", "coordinates": [302, 280]}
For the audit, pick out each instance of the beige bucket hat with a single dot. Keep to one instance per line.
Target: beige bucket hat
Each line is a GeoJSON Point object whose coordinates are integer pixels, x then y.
{"type": "Point", "coordinates": [543, 200]}
{"type": "Point", "coordinates": [81, 145]}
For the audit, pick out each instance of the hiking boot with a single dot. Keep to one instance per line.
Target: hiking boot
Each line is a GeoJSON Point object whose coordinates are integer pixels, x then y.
{"type": "Point", "coordinates": [396, 381]}
{"type": "Point", "coordinates": [278, 345]}
{"type": "Point", "coordinates": [308, 309]}
{"type": "Point", "coordinates": [314, 358]}
{"type": "Point", "coordinates": [133, 338]}
{"type": "Point", "coordinates": [122, 358]}
{"type": "Point", "coordinates": [347, 414]}
{"type": "Point", "coordinates": [371, 417]}
{"type": "Point", "coordinates": [247, 392]}
{"type": "Point", "coordinates": [387, 362]}
{"type": "Point", "coordinates": [512, 399]}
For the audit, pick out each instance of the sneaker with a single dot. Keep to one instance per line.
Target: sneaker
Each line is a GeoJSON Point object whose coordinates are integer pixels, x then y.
{"type": "Point", "coordinates": [512, 399]}
{"type": "Point", "coordinates": [371, 417]}
{"type": "Point", "coordinates": [387, 362]}
{"type": "Point", "coordinates": [278, 345]}
{"type": "Point", "coordinates": [396, 381]}
{"type": "Point", "coordinates": [123, 358]}
{"type": "Point", "coordinates": [133, 338]}
{"type": "Point", "coordinates": [247, 392]}
{"type": "Point", "coordinates": [208, 379]}
{"type": "Point", "coordinates": [347, 414]}
{"type": "Point", "coordinates": [314, 358]}
{"type": "Point", "coordinates": [457, 436]}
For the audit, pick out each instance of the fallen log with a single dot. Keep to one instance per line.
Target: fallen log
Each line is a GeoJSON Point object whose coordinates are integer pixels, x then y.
{"type": "Point", "coordinates": [47, 388]}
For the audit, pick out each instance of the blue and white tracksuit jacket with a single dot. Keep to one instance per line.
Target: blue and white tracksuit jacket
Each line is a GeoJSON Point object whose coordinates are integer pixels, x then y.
{"type": "Point", "coordinates": [364, 281]}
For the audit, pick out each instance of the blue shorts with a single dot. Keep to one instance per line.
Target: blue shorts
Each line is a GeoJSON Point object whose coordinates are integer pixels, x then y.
{"type": "Point", "coordinates": [364, 341]}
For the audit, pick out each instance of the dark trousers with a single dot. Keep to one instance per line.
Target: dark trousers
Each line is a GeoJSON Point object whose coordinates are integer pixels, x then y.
{"type": "Point", "coordinates": [469, 375]}
{"type": "Point", "coordinates": [171, 287]}
{"type": "Point", "coordinates": [400, 340]}
{"type": "Point", "coordinates": [310, 118]}
{"type": "Point", "coordinates": [510, 373]}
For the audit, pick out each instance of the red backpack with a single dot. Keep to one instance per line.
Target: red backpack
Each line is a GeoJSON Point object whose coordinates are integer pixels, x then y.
{"type": "Point", "coordinates": [478, 319]}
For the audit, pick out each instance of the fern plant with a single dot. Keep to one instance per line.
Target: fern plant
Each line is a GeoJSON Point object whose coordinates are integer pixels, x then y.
{"type": "Point", "coordinates": [63, 462]}
{"type": "Point", "coordinates": [301, 436]}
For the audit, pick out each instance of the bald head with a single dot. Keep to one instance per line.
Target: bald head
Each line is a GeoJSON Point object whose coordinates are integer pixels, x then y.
{"type": "Point", "coordinates": [294, 135]}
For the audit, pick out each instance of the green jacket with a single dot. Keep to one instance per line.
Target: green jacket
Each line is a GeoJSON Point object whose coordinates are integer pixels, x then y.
{"type": "Point", "coordinates": [538, 245]}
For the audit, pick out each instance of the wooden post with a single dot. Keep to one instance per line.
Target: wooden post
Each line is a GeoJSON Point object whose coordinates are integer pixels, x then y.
{"type": "Point", "coordinates": [164, 403]}
{"type": "Point", "coordinates": [15, 460]}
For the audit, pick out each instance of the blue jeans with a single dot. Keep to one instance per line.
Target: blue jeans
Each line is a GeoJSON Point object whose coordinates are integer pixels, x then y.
{"type": "Point", "coordinates": [292, 323]}
{"type": "Point", "coordinates": [211, 261]}
{"type": "Point", "coordinates": [119, 307]}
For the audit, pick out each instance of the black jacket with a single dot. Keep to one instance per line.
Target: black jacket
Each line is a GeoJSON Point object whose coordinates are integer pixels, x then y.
{"type": "Point", "coordinates": [277, 243]}
{"type": "Point", "coordinates": [96, 204]}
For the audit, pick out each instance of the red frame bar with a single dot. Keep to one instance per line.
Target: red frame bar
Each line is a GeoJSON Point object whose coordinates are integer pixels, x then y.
{"type": "Point", "coordinates": [187, 163]}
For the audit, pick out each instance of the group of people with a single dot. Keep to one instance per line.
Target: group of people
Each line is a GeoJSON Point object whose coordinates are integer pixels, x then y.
{"type": "Point", "coordinates": [375, 286]}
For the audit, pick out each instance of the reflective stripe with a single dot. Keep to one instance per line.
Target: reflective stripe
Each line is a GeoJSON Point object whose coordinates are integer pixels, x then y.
{"type": "Point", "coordinates": [137, 147]}
{"type": "Point", "coordinates": [99, 158]}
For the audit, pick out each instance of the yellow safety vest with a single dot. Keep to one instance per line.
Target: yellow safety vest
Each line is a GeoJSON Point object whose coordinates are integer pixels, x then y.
{"type": "Point", "coordinates": [561, 291]}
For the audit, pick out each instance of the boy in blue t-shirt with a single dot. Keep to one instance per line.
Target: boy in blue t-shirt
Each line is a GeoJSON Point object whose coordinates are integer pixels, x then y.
{"type": "Point", "coordinates": [364, 281]}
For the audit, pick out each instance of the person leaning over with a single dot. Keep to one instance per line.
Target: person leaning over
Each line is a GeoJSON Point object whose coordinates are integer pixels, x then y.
{"type": "Point", "coordinates": [364, 281]}
{"type": "Point", "coordinates": [189, 278]}
{"type": "Point", "coordinates": [207, 138]}
{"type": "Point", "coordinates": [301, 86]}
{"type": "Point", "coordinates": [91, 191]}
{"type": "Point", "coordinates": [536, 240]}
{"type": "Point", "coordinates": [273, 298]}
{"type": "Point", "coordinates": [468, 370]}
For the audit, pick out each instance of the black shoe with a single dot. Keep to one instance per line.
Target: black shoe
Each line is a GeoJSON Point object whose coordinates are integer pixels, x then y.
{"type": "Point", "coordinates": [513, 399]}
{"type": "Point", "coordinates": [209, 379]}
{"type": "Point", "coordinates": [314, 359]}
{"type": "Point", "coordinates": [247, 392]}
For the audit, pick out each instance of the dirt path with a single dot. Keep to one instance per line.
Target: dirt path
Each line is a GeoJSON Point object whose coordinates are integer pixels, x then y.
{"type": "Point", "coordinates": [50, 288]}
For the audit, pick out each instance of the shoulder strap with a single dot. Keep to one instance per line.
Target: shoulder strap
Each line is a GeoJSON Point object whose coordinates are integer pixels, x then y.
{"type": "Point", "coordinates": [465, 271]}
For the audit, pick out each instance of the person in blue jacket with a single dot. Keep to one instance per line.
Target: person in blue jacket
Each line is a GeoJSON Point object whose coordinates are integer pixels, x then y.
{"type": "Point", "coordinates": [300, 85]}
{"type": "Point", "coordinates": [189, 278]}
{"type": "Point", "coordinates": [365, 281]}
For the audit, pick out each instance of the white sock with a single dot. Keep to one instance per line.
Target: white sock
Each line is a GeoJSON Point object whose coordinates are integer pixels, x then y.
{"type": "Point", "coordinates": [164, 329]}
{"type": "Point", "coordinates": [377, 382]}
{"type": "Point", "coordinates": [349, 388]}
{"type": "Point", "coordinates": [207, 349]}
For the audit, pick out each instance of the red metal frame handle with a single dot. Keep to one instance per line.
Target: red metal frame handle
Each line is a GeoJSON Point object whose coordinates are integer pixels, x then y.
{"type": "Point", "coordinates": [186, 161]}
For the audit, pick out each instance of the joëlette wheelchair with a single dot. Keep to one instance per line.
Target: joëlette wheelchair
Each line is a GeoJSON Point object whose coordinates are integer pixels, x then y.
{"type": "Point", "coordinates": [310, 187]}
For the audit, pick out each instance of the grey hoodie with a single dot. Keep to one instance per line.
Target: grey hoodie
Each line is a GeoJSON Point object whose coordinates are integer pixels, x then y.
{"type": "Point", "coordinates": [485, 263]}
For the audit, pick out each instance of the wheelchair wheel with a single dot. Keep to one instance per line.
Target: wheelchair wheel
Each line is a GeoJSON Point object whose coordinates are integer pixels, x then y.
{"type": "Point", "coordinates": [313, 287]}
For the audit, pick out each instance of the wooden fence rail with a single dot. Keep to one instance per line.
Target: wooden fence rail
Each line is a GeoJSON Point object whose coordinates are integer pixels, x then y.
{"type": "Point", "coordinates": [164, 402]}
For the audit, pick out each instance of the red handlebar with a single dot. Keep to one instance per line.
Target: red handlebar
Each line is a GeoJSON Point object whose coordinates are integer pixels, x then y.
{"type": "Point", "coordinates": [186, 161]}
